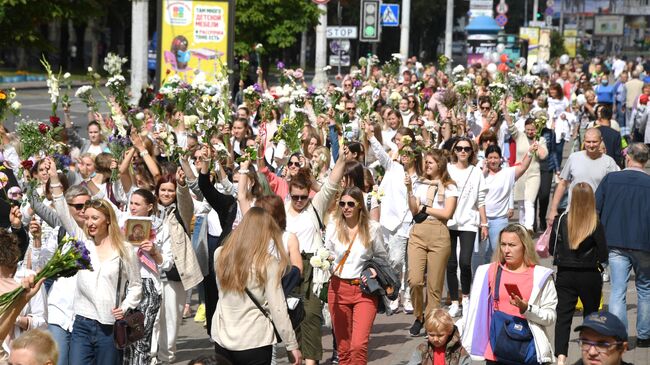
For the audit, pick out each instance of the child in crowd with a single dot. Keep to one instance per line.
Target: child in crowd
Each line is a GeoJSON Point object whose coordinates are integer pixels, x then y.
{"type": "Point", "coordinates": [443, 345]}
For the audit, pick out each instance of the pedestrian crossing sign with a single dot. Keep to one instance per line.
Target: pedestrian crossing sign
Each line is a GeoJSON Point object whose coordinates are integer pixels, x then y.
{"type": "Point", "coordinates": [389, 15]}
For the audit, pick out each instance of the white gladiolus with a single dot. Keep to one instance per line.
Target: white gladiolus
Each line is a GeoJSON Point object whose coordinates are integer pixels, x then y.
{"type": "Point", "coordinates": [458, 69]}
{"type": "Point", "coordinates": [66, 75]}
{"type": "Point", "coordinates": [83, 91]}
{"type": "Point", "coordinates": [15, 105]}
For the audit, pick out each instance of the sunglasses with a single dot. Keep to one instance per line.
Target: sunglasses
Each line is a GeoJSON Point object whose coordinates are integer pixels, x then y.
{"type": "Point", "coordinates": [343, 204]}
{"type": "Point", "coordinates": [78, 206]}
{"type": "Point", "coordinates": [298, 198]}
{"type": "Point", "coordinates": [93, 203]}
{"type": "Point", "coordinates": [461, 149]}
{"type": "Point", "coordinates": [292, 163]}
{"type": "Point", "coordinates": [485, 108]}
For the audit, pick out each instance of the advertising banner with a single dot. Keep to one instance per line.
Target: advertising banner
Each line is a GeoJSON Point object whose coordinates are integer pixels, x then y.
{"type": "Point", "coordinates": [195, 37]}
{"type": "Point", "coordinates": [531, 34]}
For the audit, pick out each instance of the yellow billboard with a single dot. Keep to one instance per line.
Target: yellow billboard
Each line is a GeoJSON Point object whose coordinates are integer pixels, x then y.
{"type": "Point", "coordinates": [194, 37]}
{"type": "Point", "coordinates": [531, 34]}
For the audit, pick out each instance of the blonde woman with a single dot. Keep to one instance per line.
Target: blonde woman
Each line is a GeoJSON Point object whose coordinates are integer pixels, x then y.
{"type": "Point", "coordinates": [352, 239]}
{"type": "Point", "coordinates": [429, 246]}
{"type": "Point", "coordinates": [515, 264]}
{"type": "Point", "coordinates": [95, 298]}
{"type": "Point", "coordinates": [246, 270]}
{"type": "Point", "coordinates": [579, 249]}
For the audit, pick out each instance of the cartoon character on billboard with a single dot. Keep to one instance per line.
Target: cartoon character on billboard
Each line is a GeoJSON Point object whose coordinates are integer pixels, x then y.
{"type": "Point", "coordinates": [180, 51]}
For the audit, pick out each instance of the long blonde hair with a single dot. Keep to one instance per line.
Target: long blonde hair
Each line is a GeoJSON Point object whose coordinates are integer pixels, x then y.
{"type": "Point", "coordinates": [364, 218]}
{"type": "Point", "coordinates": [114, 232]}
{"type": "Point", "coordinates": [246, 251]}
{"type": "Point", "coordinates": [582, 218]}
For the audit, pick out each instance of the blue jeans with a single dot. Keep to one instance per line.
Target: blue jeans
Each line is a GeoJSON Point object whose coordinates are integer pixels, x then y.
{"type": "Point", "coordinates": [621, 262]}
{"type": "Point", "coordinates": [92, 343]}
{"type": "Point", "coordinates": [62, 339]}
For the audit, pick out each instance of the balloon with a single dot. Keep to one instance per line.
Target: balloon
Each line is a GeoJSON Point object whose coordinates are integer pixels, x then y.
{"type": "Point", "coordinates": [486, 57]}
{"type": "Point", "coordinates": [492, 68]}
{"type": "Point", "coordinates": [503, 67]}
{"type": "Point", "coordinates": [522, 62]}
{"type": "Point", "coordinates": [534, 70]}
{"type": "Point", "coordinates": [494, 57]}
{"type": "Point", "coordinates": [504, 58]}
{"type": "Point", "coordinates": [501, 48]}
{"type": "Point", "coordinates": [564, 59]}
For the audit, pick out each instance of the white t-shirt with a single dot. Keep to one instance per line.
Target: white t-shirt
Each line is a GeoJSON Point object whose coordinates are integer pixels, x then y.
{"type": "Point", "coordinates": [500, 187]}
{"type": "Point", "coordinates": [420, 191]}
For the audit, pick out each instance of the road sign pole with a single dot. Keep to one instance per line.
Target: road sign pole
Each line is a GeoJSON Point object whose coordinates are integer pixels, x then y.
{"type": "Point", "coordinates": [339, 15]}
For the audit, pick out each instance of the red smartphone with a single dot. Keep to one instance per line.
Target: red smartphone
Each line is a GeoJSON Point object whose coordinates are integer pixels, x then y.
{"type": "Point", "coordinates": [513, 289]}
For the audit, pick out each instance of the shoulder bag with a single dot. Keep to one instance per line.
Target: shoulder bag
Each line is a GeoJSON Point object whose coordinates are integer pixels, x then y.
{"type": "Point", "coordinates": [339, 267]}
{"type": "Point", "coordinates": [422, 215]}
{"type": "Point", "coordinates": [130, 328]}
{"type": "Point", "coordinates": [510, 336]}
{"type": "Point", "coordinates": [296, 315]}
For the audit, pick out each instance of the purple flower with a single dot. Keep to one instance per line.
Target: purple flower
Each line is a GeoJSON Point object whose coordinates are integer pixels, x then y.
{"type": "Point", "coordinates": [356, 83]}
{"type": "Point", "coordinates": [257, 87]}
{"type": "Point", "coordinates": [311, 89]}
{"type": "Point", "coordinates": [280, 65]}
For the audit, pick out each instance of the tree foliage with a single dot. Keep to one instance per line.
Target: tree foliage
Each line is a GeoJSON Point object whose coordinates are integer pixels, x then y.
{"type": "Point", "coordinates": [274, 23]}
{"type": "Point", "coordinates": [557, 44]}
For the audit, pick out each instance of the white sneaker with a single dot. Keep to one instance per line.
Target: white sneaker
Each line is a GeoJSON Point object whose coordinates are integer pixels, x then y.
{"type": "Point", "coordinates": [394, 305]}
{"type": "Point", "coordinates": [465, 304]}
{"type": "Point", "coordinates": [408, 306]}
{"type": "Point", "coordinates": [454, 309]}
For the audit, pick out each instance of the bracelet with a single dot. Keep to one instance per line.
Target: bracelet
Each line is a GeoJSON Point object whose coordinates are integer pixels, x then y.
{"type": "Point", "coordinates": [144, 153]}
{"type": "Point", "coordinates": [484, 225]}
{"type": "Point", "coordinates": [244, 171]}
{"type": "Point", "coordinates": [52, 186]}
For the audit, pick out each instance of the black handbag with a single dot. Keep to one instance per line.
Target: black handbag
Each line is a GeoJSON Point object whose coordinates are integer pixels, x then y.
{"type": "Point", "coordinates": [130, 328]}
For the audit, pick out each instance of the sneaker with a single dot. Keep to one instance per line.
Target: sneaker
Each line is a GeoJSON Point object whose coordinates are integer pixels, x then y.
{"type": "Point", "coordinates": [416, 328]}
{"type": "Point", "coordinates": [465, 305]}
{"type": "Point", "coordinates": [200, 314]}
{"type": "Point", "coordinates": [408, 306]}
{"type": "Point", "coordinates": [335, 357]}
{"type": "Point", "coordinates": [187, 312]}
{"type": "Point", "coordinates": [643, 342]}
{"type": "Point", "coordinates": [454, 309]}
{"type": "Point", "coordinates": [394, 305]}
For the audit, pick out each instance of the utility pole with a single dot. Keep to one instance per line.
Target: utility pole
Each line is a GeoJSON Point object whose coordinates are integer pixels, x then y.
{"type": "Point", "coordinates": [525, 13]}
{"type": "Point", "coordinates": [320, 78]}
{"type": "Point", "coordinates": [139, 47]}
{"type": "Point", "coordinates": [449, 31]}
{"type": "Point", "coordinates": [405, 28]}
{"type": "Point", "coordinates": [535, 8]}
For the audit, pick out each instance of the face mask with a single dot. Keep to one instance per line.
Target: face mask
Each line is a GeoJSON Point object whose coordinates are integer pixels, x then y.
{"type": "Point", "coordinates": [183, 56]}
{"type": "Point", "coordinates": [604, 82]}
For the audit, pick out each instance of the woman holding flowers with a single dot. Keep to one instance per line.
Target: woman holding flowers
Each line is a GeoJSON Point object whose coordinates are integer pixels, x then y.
{"type": "Point", "coordinates": [433, 197]}
{"type": "Point", "coordinates": [352, 239]}
{"type": "Point", "coordinates": [95, 299]}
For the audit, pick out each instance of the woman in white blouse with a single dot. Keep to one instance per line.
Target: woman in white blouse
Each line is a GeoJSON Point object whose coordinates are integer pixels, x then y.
{"type": "Point", "coordinates": [433, 194]}
{"type": "Point", "coordinates": [95, 304]}
{"type": "Point", "coordinates": [353, 239]}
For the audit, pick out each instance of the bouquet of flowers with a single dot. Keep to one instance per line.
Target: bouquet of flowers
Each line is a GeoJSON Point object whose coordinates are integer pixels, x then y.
{"type": "Point", "coordinates": [449, 98]}
{"type": "Point", "coordinates": [70, 256]}
{"type": "Point", "coordinates": [252, 95]}
{"type": "Point", "coordinates": [250, 154]}
{"type": "Point", "coordinates": [117, 87]}
{"type": "Point", "coordinates": [289, 130]}
{"type": "Point", "coordinates": [52, 85]}
{"type": "Point", "coordinates": [117, 146]}
{"type": "Point", "coordinates": [320, 259]}
{"type": "Point", "coordinates": [243, 69]}
{"type": "Point", "coordinates": [6, 103]}
{"type": "Point", "coordinates": [113, 64]}
{"type": "Point", "coordinates": [37, 137]}
{"type": "Point", "coordinates": [442, 62]}
{"type": "Point", "coordinates": [464, 88]}
{"type": "Point", "coordinates": [391, 67]}
{"type": "Point", "coordinates": [67, 83]}
{"type": "Point", "coordinates": [85, 93]}
{"type": "Point", "coordinates": [498, 92]}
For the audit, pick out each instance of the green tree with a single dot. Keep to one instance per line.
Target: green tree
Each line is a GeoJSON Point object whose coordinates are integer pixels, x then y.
{"type": "Point", "coordinates": [274, 23]}
{"type": "Point", "coordinates": [557, 44]}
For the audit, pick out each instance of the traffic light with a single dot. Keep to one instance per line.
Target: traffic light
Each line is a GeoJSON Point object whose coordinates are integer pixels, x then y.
{"type": "Point", "coordinates": [370, 26]}
{"type": "Point", "coordinates": [538, 16]}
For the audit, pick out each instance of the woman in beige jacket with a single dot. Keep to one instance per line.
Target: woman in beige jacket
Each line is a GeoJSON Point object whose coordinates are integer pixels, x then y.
{"type": "Point", "coordinates": [251, 312]}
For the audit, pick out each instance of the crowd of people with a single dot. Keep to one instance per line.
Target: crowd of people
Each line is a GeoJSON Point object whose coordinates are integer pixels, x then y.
{"type": "Point", "coordinates": [293, 209]}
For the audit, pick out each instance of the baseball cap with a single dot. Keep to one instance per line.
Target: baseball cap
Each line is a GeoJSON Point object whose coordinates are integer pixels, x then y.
{"type": "Point", "coordinates": [606, 324]}
{"type": "Point", "coordinates": [643, 99]}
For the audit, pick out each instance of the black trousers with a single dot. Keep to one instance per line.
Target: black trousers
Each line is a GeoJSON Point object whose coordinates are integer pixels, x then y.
{"type": "Point", "coordinates": [466, 239]}
{"type": "Point", "coordinates": [543, 198]}
{"type": "Point", "coordinates": [210, 283]}
{"type": "Point", "coordinates": [256, 356]}
{"type": "Point", "coordinates": [571, 284]}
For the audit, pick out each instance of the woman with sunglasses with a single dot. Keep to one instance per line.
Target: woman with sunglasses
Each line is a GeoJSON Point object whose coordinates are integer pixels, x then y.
{"type": "Point", "coordinates": [352, 239]}
{"type": "Point", "coordinates": [395, 216]}
{"type": "Point", "coordinates": [280, 185]}
{"type": "Point", "coordinates": [433, 194]}
{"type": "Point", "coordinates": [468, 217]}
{"type": "Point", "coordinates": [305, 218]}
{"type": "Point", "coordinates": [176, 209]}
{"type": "Point", "coordinates": [95, 304]}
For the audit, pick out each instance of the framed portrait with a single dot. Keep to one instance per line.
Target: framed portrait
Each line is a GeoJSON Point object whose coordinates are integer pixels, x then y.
{"type": "Point", "coordinates": [137, 229]}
